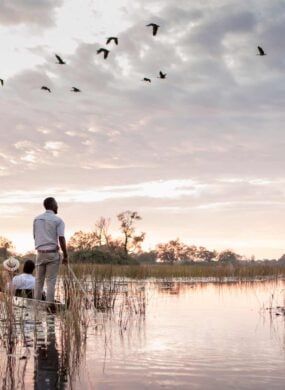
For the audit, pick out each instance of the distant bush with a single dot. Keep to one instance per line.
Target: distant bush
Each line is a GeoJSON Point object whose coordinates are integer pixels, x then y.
{"type": "Point", "coordinates": [98, 256]}
{"type": "Point", "coordinates": [145, 257]}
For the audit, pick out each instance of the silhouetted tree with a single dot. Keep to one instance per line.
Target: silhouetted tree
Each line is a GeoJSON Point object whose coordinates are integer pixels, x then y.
{"type": "Point", "coordinates": [81, 241]}
{"type": "Point", "coordinates": [228, 257]}
{"type": "Point", "coordinates": [91, 240]}
{"type": "Point", "coordinates": [146, 257]}
{"type": "Point", "coordinates": [102, 231]}
{"type": "Point", "coordinates": [6, 246]}
{"type": "Point", "coordinates": [131, 241]}
{"type": "Point", "coordinates": [281, 260]}
{"type": "Point", "coordinates": [205, 254]}
{"type": "Point", "coordinates": [175, 251]}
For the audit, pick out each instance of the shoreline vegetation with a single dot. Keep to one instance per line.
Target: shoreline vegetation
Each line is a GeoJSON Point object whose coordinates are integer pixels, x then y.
{"type": "Point", "coordinates": [104, 289]}
{"type": "Point", "coordinates": [163, 271]}
{"type": "Point", "coordinates": [115, 299]}
{"type": "Point", "coordinates": [100, 254]}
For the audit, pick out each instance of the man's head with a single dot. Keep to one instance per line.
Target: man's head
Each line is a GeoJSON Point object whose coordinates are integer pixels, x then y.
{"type": "Point", "coordinates": [29, 267]}
{"type": "Point", "coordinates": [51, 204]}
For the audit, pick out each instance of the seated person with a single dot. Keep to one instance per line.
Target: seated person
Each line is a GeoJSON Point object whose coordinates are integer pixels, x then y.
{"type": "Point", "coordinates": [24, 284]}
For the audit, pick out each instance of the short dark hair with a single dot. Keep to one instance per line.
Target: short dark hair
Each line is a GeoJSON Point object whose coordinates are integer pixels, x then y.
{"type": "Point", "coordinates": [49, 203]}
{"type": "Point", "coordinates": [29, 267]}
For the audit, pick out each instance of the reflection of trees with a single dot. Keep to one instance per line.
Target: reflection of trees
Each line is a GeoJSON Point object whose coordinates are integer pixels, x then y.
{"type": "Point", "coordinates": [169, 287]}
{"type": "Point", "coordinates": [176, 287]}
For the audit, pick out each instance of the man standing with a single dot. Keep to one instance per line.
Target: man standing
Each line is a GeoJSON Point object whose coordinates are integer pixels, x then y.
{"type": "Point", "coordinates": [48, 231]}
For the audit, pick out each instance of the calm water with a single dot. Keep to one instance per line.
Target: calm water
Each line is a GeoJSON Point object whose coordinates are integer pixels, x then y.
{"type": "Point", "coordinates": [193, 336]}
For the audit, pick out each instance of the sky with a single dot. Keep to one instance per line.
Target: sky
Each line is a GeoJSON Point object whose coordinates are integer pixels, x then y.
{"type": "Point", "coordinates": [199, 155]}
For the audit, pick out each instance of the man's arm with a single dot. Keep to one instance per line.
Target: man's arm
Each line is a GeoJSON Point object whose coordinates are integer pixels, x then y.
{"type": "Point", "coordinates": [62, 244]}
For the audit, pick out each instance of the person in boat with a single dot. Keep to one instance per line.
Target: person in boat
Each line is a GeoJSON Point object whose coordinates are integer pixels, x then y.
{"type": "Point", "coordinates": [48, 231]}
{"type": "Point", "coordinates": [11, 267]}
{"type": "Point", "coordinates": [24, 284]}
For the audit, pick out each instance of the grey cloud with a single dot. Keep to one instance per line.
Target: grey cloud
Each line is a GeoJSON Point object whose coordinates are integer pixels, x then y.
{"type": "Point", "coordinates": [201, 120]}
{"type": "Point", "coordinates": [35, 12]}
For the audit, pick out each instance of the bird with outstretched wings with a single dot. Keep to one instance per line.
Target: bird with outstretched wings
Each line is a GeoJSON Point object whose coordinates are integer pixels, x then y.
{"type": "Point", "coordinates": [110, 39]}
{"type": "Point", "coordinates": [45, 88]}
{"type": "Point", "coordinates": [154, 28]}
{"type": "Point", "coordinates": [105, 51]}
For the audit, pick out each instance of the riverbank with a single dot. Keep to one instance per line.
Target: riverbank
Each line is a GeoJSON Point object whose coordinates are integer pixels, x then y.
{"type": "Point", "coordinates": [162, 271]}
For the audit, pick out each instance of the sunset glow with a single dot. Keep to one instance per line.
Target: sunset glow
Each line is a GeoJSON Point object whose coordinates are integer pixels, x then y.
{"type": "Point", "coordinates": [198, 154]}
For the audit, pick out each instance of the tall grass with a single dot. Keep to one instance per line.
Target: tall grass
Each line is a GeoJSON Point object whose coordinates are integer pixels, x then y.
{"type": "Point", "coordinates": [162, 271]}
{"type": "Point", "coordinates": [98, 294]}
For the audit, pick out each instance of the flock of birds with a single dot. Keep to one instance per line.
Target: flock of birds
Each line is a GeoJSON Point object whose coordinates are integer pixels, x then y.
{"type": "Point", "coordinates": [106, 52]}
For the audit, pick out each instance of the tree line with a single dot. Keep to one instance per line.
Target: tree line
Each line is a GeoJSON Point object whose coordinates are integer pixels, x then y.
{"type": "Point", "coordinates": [100, 246]}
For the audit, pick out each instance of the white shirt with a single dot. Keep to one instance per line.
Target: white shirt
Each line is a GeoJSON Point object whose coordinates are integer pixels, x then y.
{"type": "Point", "coordinates": [47, 228]}
{"type": "Point", "coordinates": [23, 282]}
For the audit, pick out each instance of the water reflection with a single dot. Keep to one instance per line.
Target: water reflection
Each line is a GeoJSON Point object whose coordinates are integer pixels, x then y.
{"type": "Point", "coordinates": [170, 334]}
{"type": "Point", "coordinates": [211, 335]}
{"type": "Point", "coordinates": [37, 352]}
{"type": "Point", "coordinates": [49, 368]}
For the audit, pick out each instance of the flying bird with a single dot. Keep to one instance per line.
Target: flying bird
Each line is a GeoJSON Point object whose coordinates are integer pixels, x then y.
{"type": "Point", "coordinates": [154, 28]}
{"type": "Point", "coordinates": [146, 79]}
{"type": "Point", "coordinates": [45, 88]}
{"type": "Point", "coordinates": [60, 60]}
{"type": "Point", "coordinates": [74, 89]}
{"type": "Point", "coordinates": [105, 51]}
{"type": "Point", "coordinates": [115, 39]}
{"type": "Point", "coordinates": [2, 82]}
{"type": "Point", "coordinates": [162, 75]}
{"type": "Point", "coordinates": [261, 51]}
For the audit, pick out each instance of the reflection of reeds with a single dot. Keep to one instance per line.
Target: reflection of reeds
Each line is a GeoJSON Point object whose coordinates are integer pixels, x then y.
{"type": "Point", "coordinates": [104, 293]}
{"type": "Point", "coordinates": [11, 340]}
{"type": "Point", "coordinates": [92, 299]}
{"type": "Point", "coordinates": [132, 305]}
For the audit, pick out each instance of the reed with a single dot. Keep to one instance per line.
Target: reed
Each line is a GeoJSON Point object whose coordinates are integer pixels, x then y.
{"type": "Point", "coordinates": [162, 271]}
{"type": "Point", "coordinates": [131, 305]}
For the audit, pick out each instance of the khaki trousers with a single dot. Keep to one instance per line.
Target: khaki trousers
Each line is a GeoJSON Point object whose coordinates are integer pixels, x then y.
{"type": "Point", "coordinates": [47, 266]}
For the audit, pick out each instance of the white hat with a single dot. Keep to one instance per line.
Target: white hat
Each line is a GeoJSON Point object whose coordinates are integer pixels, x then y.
{"type": "Point", "coordinates": [11, 264]}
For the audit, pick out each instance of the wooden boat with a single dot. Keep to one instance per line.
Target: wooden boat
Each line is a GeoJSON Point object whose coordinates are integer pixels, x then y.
{"type": "Point", "coordinates": [33, 304]}
{"type": "Point", "coordinates": [52, 307]}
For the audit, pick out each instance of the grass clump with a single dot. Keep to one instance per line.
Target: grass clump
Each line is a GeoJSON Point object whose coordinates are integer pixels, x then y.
{"type": "Point", "coordinates": [163, 271]}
